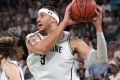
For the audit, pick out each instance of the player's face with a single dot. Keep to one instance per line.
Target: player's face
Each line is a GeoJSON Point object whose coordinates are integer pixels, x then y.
{"type": "Point", "coordinates": [43, 22]}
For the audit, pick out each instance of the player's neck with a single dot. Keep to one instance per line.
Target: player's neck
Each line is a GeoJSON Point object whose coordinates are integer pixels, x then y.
{"type": "Point", "coordinates": [4, 61]}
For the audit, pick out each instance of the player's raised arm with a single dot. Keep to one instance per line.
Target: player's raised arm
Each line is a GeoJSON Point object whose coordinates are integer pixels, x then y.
{"type": "Point", "coordinates": [101, 43]}
{"type": "Point", "coordinates": [48, 24]}
{"type": "Point", "coordinates": [93, 56]}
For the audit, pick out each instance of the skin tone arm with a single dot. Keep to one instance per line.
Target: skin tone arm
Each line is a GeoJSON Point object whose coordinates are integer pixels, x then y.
{"type": "Point", "coordinates": [12, 72]}
{"type": "Point", "coordinates": [79, 45]}
{"type": "Point", "coordinates": [47, 44]}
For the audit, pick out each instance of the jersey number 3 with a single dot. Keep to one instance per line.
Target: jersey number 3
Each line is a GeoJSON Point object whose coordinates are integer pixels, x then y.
{"type": "Point", "coordinates": [42, 59]}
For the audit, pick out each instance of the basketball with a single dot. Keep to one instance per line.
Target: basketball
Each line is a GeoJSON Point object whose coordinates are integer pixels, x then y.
{"type": "Point", "coordinates": [82, 10]}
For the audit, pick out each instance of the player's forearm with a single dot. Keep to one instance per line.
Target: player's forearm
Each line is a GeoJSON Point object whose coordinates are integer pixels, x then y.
{"type": "Point", "coordinates": [101, 47]}
{"type": "Point", "coordinates": [101, 44]}
{"type": "Point", "coordinates": [98, 56]}
{"type": "Point", "coordinates": [99, 29]}
{"type": "Point", "coordinates": [49, 42]}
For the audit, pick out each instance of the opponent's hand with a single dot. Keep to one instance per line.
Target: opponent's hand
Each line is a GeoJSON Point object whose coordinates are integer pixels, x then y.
{"type": "Point", "coordinates": [67, 19]}
{"type": "Point", "coordinates": [97, 21]}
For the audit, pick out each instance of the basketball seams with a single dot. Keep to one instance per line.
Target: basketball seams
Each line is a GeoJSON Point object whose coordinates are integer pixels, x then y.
{"type": "Point", "coordinates": [92, 11]}
{"type": "Point", "coordinates": [78, 8]}
{"type": "Point", "coordinates": [74, 12]}
{"type": "Point", "coordinates": [85, 10]}
{"type": "Point", "coordinates": [74, 15]}
{"type": "Point", "coordinates": [90, 14]}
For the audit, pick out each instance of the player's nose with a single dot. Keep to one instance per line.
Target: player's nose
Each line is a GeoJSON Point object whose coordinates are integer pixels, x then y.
{"type": "Point", "coordinates": [38, 20]}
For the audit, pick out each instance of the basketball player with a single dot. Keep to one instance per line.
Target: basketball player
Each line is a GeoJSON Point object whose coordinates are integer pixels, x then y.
{"type": "Point", "coordinates": [51, 48]}
{"type": "Point", "coordinates": [9, 68]}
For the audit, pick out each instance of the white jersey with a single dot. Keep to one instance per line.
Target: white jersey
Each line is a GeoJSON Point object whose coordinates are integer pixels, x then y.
{"type": "Point", "coordinates": [58, 64]}
{"type": "Point", "coordinates": [117, 77]}
{"type": "Point", "coordinates": [5, 77]}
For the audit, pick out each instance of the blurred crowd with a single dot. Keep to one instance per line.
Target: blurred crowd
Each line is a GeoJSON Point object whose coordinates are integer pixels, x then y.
{"type": "Point", "coordinates": [18, 18]}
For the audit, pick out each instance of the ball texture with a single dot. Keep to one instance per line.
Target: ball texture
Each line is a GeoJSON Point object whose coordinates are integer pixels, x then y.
{"type": "Point", "coordinates": [83, 10]}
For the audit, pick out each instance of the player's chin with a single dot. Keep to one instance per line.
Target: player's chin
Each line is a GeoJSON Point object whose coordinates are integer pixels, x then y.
{"type": "Point", "coordinates": [40, 29]}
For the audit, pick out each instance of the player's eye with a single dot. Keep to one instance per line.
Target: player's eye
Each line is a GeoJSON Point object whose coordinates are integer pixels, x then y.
{"type": "Point", "coordinates": [42, 15]}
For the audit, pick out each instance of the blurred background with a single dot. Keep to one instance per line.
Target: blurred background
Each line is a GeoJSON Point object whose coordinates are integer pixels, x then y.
{"type": "Point", "coordinates": [18, 18]}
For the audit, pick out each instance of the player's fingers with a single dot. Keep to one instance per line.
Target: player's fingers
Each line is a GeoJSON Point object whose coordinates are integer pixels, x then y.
{"type": "Point", "coordinates": [73, 1]}
{"type": "Point", "coordinates": [68, 7]}
{"type": "Point", "coordinates": [97, 13]}
{"type": "Point", "coordinates": [98, 10]}
{"type": "Point", "coordinates": [70, 4]}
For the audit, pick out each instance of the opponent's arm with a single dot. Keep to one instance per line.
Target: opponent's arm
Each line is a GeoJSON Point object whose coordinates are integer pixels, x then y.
{"type": "Point", "coordinates": [100, 55]}
{"type": "Point", "coordinates": [90, 55]}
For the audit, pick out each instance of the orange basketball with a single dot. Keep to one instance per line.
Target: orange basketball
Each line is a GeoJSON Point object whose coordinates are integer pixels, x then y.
{"type": "Point", "coordinates": [82, 10]}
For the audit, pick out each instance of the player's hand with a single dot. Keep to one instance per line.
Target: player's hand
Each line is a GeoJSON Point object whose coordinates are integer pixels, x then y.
{"type": "Point", "coordinates": [97, 21]}
{"type": "Point", "coordinates": [67, 19]}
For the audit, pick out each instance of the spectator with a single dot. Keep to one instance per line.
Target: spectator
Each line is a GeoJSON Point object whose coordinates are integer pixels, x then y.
{"type": "Point", "coordinates": [114, 70]}
{"type": "Point", "coordinates": [81, 71]}
{"type": "Point", "coordinates": [33, 12]}
{"type": "Point", "coordinates": [106, 6]}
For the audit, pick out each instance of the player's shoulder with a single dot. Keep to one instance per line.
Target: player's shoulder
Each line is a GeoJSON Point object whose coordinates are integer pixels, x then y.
{"type": "Point", "coordinates": [31, 35]}
{"type": "Point", "coordinates": [12, 70]}
{"type": "Point", "coordinates": [75, 38]}
{"type": "Point", "coordinates": [10, 66]}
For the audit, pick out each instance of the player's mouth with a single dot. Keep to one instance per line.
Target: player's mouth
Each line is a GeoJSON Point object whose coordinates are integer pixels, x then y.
{"type": "Point", "coordinates": [39, 25]}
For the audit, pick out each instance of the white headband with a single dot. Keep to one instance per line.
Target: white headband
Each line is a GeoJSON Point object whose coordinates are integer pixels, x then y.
{"type": "Point", "coordinates": [50, 13]}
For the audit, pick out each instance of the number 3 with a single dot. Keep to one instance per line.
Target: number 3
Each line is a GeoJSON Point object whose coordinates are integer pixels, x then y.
{"type": "Point", "coordinates": [42, 60]}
